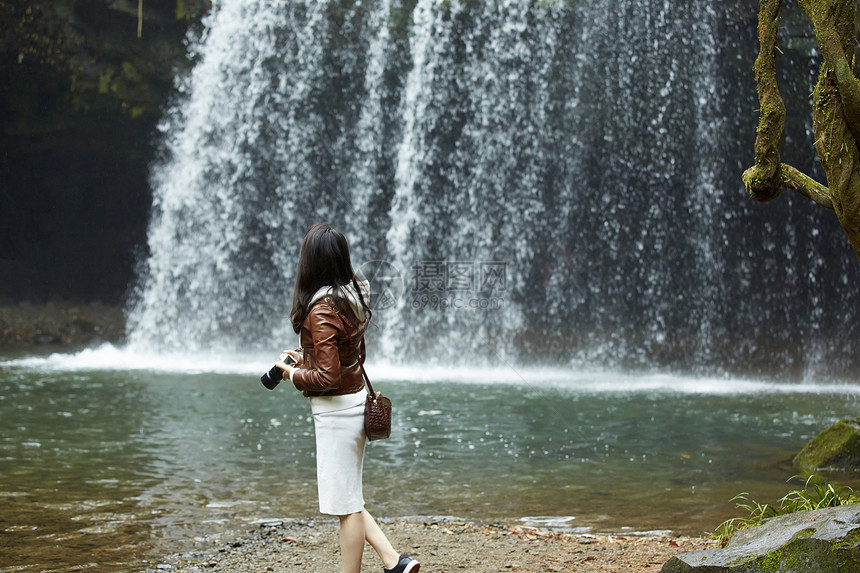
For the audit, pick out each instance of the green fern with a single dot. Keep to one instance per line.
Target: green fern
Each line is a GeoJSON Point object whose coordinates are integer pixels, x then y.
{"type": "Point", "coordinates": [816, 494]}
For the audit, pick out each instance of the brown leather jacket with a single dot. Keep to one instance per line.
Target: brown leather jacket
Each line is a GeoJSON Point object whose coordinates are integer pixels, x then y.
{"type": "Point", "coordinates": [333, 350]}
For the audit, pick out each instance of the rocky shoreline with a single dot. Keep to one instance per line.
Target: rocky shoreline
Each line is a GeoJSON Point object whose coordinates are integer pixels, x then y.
{"type": "Point", "coordinates": [442, 545]}
{"type": "Point", "coordinates": [60, 323]}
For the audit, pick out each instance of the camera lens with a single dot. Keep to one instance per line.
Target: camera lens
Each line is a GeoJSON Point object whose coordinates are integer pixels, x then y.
{"type": "Point", "coordinates": [272, 378]}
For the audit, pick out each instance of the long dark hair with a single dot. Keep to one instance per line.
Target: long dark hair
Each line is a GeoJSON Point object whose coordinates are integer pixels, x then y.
{"type": "Point", "coordinates": [323, 261]}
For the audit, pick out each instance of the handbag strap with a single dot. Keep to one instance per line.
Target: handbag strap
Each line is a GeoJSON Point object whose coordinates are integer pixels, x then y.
{"type": "Point", "coordinates": [366, 379]}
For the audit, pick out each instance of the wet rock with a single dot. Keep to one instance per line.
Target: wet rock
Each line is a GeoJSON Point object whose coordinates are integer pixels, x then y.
{"type": "Point", "coordinates": [46, 338]}
{"type": "Point", "coordinates": [824, 540]}
{"type": "Point", "coordinates": [836, 448]}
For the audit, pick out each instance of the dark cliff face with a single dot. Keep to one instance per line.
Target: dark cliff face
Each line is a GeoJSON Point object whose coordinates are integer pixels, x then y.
{"type": "Point", "coordinates": [80, 96]}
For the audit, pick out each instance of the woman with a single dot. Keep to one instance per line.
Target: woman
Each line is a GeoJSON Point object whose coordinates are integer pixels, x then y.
{"type": "Point", "coordinates": [330, 313]}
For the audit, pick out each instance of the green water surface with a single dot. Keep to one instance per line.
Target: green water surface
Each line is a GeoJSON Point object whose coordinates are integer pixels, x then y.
{"type": "Point", "coordinates": [104, 469]}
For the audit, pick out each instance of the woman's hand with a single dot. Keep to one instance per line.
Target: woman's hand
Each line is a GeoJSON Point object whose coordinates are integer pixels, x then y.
{"type": "Point", "coordinates": [288, 367]}
{"type": "Point", "coordinates": [295, 354]}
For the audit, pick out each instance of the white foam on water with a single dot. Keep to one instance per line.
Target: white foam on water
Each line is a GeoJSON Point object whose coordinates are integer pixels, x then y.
{"type": "Point", "coordinates": [110, 357]}
{"type": "Point", "coordinates": [546, 520]}
{"type": "Point", "coordinates": [606, 381]}
{"type": "Point", "coordinates": [564, 378]}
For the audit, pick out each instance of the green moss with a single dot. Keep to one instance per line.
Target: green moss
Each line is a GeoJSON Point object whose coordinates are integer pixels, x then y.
{"type": "Point", "coordinates": [838, 445]}
{"type": "Point", "coordinates": [130, 73]}
{"type": "Point", "coordinates": [803, 533]}
{"type": "Point", "coordinates": [802, 552]}
{"type": "Point", "coordinates": [191, 9]}
{"type": "Point", "coordinates": [852, 540]}
{"type": "Point", "coordinates": [742, 560]}
{"type": "Point", "coordinates": [834, 24]}
{"type": "Point", "coordinates": [848, 552]}
{"type": "Point", "coordinates": [106, 81]}
{"type": "Point", "coordinates": [770, 563]}
{"type": "Point", "coordinates": [795, 556]}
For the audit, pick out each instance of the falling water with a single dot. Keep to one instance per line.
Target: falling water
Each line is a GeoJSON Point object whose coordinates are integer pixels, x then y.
{"type": "Point", "coordinates": [530, 181]}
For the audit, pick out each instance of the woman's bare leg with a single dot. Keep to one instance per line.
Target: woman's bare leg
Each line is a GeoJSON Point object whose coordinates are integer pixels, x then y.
{"type": "Point", "coordinates": [351, 542]}
{"type": "Point", "coordinates": [355, 529]}
{"type": "Point", "coordinates": [379, 541]}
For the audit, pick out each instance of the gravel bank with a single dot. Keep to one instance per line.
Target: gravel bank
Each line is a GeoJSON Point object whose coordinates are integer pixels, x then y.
{"type": "Point", "coordinates": [442, 546]}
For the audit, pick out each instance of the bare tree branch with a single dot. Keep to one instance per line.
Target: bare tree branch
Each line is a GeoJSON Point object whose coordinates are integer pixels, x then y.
{"type": "Point", "coordinates": [805, 185]}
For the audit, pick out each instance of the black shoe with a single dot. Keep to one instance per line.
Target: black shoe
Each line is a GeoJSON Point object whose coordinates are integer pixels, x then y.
{"type": "Point", "coordinates": [405, 565]}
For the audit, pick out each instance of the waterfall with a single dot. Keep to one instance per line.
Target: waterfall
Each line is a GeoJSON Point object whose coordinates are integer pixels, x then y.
{"type": "Point", "coordinates": [525, 181]}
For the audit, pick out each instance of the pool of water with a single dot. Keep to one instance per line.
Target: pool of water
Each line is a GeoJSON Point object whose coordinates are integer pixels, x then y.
{"type": "Point", "coordinates": [110, 463]}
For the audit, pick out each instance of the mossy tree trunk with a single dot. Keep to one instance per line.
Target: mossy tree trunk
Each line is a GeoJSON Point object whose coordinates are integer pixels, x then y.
{"type": "Point", "coordinates": [835, 115]}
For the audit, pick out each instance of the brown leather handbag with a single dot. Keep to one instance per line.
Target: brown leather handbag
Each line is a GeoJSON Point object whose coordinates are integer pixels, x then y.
{"type": "Point", "coordinates": [377, 408]}
{"type": "Point", "coordinates": [377, 413]}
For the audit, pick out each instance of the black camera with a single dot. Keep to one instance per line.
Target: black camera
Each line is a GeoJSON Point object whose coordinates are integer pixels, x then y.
{"type": "Point", "coordinates": [274, 376]}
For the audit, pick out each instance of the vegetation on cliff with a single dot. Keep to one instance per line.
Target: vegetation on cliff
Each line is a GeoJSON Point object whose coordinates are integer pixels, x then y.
{"type": "Point", "coordinates": [81, 95]}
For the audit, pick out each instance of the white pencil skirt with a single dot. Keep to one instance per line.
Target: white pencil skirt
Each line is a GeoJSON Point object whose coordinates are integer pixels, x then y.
{"type": "Point", "coordinates": [340, 442]}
